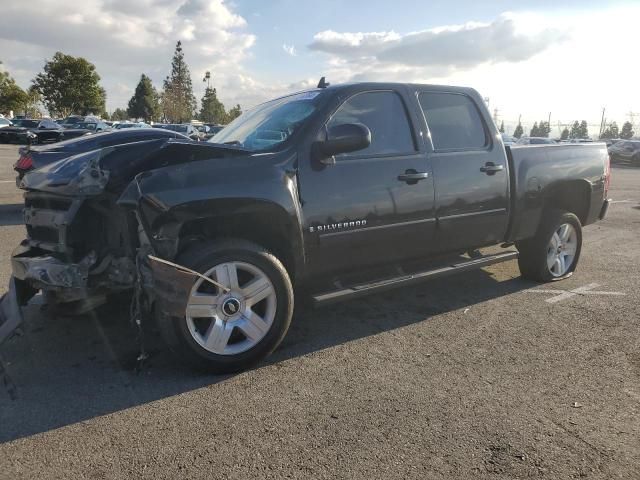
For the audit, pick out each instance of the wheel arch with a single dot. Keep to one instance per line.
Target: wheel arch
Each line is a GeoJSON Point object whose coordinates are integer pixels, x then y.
{"type": "Point", "coordinates": [263, 222]}
{"type": "Point", "coordinates": [573, 196]}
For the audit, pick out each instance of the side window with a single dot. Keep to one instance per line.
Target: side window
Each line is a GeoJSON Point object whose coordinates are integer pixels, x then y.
{"type": "Point", "coordinates": [384, 113]}
{"type": "Point", "coordinates": [453, 120]}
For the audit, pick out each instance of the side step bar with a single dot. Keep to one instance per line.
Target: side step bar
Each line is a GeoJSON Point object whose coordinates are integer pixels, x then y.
{"type": "Point", "coordinates": [368, 288]}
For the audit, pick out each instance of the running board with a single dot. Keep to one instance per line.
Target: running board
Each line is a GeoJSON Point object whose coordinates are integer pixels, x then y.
{"type": "Point", "coordinates": [404, 280]}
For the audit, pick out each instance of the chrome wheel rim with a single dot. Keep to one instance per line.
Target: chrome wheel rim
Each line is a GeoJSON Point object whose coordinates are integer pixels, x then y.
{"type": "Point", "coordinates": [562, 250]}
{"type": "Point", "coordinates": [228, 323]}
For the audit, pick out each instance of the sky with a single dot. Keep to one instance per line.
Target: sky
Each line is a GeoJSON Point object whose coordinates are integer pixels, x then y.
{"type": "Point", "coordinates": [566, 58]}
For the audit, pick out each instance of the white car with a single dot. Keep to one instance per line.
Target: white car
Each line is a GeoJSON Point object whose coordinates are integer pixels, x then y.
{"type": "Point", "coordinates": [4, 122]}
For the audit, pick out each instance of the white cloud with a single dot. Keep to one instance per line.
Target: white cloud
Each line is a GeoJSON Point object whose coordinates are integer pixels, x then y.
{"type": "Point", "coordinates": [353, 44]}
{"type": "Point", "coordinates": [529, 64]}
{"type": "Point", "coordinates": [289, 49]}
{"type": "Point", "coordinates": [125, 38]}
{"type": "Point", "coordinates": [461, 46]}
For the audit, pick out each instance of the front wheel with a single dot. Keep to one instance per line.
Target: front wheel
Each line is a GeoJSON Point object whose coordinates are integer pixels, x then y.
{"type": "Point", "coordinates": [227, 331]}
{"type": "Point", "coordinates": [554, 252]}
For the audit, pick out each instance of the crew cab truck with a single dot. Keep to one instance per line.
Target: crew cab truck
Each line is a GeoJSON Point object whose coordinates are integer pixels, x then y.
{"type": "Point", "coordinates": [336, 192]}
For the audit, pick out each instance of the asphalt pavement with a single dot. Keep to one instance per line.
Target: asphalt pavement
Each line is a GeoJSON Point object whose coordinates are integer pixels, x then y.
{"type": "Point", "coordinates": [483, 375]}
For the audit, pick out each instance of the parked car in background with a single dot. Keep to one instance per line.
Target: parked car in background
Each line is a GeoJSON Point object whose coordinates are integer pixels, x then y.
{"type": "Point", "coordinates": [30, 131]}
{"type": "Point", "coordinates": [611, 141]}
{"type": "Point", "coordinates": [580, 140]}
{"type": "Point", "coordinates": [213, 129]}
{"type": "Point", "coordinates": [4, 122]}
{"type": "Point", "coordinates": [535, 141]}
{"type": "Point", "coordinates": [96, 127]}
{"type": "Point", "coordinates": [184, 128]}
{"type": "Point", "coordinates": [625, 151]}
{"type": "Point", "coordinates": [72, 120]}
{"type": "Point", "coordinates": [47, 131]}
{"type": "Point", "coordinates": [121, 125]}
{"type": "Point", "coordinates": [508, 139]}
{"type": "Point", "coordinates": [32, 157]}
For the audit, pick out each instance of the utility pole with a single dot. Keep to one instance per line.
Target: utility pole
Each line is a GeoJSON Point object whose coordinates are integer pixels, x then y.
{"type": "Point", "coordinates": [601, 123]}
{"type": "Point", "coordinates": [207, 78]}
{"type": "Point", "coordinates": [495, 116]}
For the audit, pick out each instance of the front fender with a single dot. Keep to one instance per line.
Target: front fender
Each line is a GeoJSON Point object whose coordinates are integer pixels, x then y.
{"type": "Point", "coordinates": [167, 199]}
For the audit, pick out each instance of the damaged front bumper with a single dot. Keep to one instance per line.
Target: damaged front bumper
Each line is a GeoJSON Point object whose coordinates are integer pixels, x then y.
{"type": "Point", "coordinates": [47, 272]}
{"type": "Point", "coordinates": [10, 311]}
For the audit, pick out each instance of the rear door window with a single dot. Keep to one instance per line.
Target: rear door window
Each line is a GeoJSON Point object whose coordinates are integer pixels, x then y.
{"type": "Point", "coordinates": [454, 121]}
{"type": "Point", "coordinates": [383, 112]}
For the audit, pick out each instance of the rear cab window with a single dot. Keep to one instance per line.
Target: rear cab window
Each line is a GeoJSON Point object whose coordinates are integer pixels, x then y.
{"type": "Point", "coordinates": [454, 121]}
{"type": "Point", "coordinates": [384, 113]}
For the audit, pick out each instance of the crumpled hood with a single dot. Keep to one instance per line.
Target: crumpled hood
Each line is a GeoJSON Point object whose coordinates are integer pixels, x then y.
{"type": "Point", "coordinates": [113, 168]}
{"type": "Point", "coordinates": [80, 174]}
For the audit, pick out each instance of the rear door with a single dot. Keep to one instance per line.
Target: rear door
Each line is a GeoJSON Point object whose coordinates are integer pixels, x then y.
{"type": "Point", "coordinates": [470, 171]}
{"type": "Point", "coordinates": [368, 209]}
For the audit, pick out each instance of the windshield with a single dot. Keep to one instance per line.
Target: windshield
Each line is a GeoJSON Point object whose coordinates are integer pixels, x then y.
{"type": "Point", "coordinates": [268, 124]}
{"type": "Point", "coordinates": [124, 125]}
{"type": "Point", "coordinates": [87, 126]}
{"type": "Point", "coordinates": [25, 123]}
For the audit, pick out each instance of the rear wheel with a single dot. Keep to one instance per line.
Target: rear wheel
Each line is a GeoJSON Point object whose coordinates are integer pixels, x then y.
{"type": "Point", "coordinates": [554, 252]}
{"type": "Point", "coordinates": [226, 331]}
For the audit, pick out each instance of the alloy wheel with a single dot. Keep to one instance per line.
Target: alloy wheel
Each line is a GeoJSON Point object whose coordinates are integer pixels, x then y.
{"type": "Point", "coordinates": [232, 322]}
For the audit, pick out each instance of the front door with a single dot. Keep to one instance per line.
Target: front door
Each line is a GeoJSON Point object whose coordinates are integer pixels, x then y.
{"type": "Point", "coordinates": [374, 206]}
{"type": "Point", "coordinates": [470, 170]}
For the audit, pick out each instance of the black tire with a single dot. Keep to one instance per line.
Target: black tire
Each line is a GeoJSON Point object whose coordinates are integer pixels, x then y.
{"type": "Point", "coordinates": [635, 160]}
{"type": "Point", "coordinates": [201, 257]}
{"type": "Point", "coordinates": [533, 252]}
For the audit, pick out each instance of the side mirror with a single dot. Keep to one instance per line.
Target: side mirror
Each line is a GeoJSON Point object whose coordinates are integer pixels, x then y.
{"type": "Point", "coordinates": [345, 138]}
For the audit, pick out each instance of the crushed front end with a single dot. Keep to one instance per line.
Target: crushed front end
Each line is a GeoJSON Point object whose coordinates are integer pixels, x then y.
{"type": "Point", "coordinates": [80, 245]}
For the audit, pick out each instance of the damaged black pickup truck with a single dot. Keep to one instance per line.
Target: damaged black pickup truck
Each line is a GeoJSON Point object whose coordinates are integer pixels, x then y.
{"type": "Point", "coordinates": [337, 192]}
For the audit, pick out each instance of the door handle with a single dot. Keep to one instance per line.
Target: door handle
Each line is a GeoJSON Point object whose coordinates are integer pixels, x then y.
{"type": "Point", "coordinates": [491, 168]}
{"type": "Point", "coordinates": [412, 177]}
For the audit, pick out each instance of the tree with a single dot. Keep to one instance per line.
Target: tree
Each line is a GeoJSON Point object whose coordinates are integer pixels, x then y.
{"type": "Point", "coordinates": [145, 101]}
{"type": "Point", "coordinates": [565, 134]}
{"type": "Point", "coordinates": [212, 110]}
{"type": "Point", "coordinates": [517, 133]}
{"type": "Point", "coordinates": [33, 103]}
{"type": "Point", "coordinates": [502, 127]}
{"type": "Point", "coordinates": [12, 97]}
{"type": "Point", "coordinates": [70, 85]}
{"type": "Point", "coordinates": [611, 131]}
{"type": "Point", "coordinates": [627, 131]}
{"type": "Point", "coordinates": [234, 113]}
{"type": "Point", "coordinates": [534, 131]}
{"type": "Point", "coordinates": [119, 115]}
{"type": "Point", "coordinates": [178, 102]}
{"type": "Point", "coordinates": [584, 130]}
{"type": "Point", "coordinates": [544, 129]}
{"type": "Point", "coordinates": [575, 130]}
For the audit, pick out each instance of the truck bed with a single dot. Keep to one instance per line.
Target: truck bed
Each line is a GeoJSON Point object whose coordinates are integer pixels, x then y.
{"type": "Point", "coordinates": [540, 171]}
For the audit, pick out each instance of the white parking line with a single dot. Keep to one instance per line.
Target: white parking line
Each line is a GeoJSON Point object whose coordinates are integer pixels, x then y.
{"type": "Point", "coordinates": [7, 181]}
{"type": "Point", "coordinates": [620, 201]}
{"type": "Point", "coordinates": [561, 295]}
